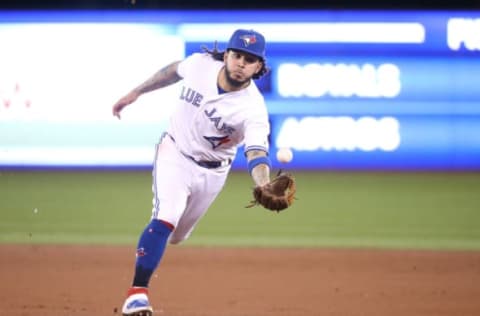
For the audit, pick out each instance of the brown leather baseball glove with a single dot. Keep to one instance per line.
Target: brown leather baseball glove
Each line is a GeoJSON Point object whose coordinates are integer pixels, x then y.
{"type": "Point", "coordinates": [276, 195]}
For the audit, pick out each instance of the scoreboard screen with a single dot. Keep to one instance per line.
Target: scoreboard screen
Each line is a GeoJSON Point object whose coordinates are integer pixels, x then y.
{"type": "Point", "coordinates": [386, 90]}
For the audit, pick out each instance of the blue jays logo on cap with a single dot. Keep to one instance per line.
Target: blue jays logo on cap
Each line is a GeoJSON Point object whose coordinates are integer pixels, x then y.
{"type": "Point", "coordinates": [248, 41]}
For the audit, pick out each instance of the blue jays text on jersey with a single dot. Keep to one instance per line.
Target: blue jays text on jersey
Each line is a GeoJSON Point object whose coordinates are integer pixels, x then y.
{"type": "Point", "coordinates": [191, 96]}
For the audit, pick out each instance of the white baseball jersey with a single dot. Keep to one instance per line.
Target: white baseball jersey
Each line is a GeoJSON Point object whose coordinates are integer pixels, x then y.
{"type": "Point", "coordinates": [209, 126]}
{"type": "Point", "coordinates": [206, 126]}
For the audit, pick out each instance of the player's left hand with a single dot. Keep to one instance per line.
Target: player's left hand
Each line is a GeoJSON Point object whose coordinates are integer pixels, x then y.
{"type": "Point", "coordinates": [276, 195]}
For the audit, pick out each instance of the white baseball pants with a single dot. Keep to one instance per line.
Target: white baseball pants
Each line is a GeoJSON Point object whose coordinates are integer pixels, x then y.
{"type": "Point", "coordinates": [182, 190]}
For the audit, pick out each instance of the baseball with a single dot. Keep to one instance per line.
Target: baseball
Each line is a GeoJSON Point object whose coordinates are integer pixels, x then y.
{"type": "Point", "coordinates": [284, 155]}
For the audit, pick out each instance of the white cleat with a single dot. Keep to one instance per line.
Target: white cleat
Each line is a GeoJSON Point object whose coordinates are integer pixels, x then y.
{"type": "Point", "coordinates": [137, 305]}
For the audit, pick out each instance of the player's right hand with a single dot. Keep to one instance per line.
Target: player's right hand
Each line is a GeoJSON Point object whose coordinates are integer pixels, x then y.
{"type": "Point", "coordinates": [123, 102]}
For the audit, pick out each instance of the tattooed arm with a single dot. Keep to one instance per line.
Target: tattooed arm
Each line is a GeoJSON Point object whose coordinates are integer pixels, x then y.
{"type": "Point", "coordinates": [163, 78]}
{"type": "Point", "coordinates": [261, 172]}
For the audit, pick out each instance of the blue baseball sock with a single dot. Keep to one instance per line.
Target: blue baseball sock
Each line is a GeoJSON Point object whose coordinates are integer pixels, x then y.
{"type": "Point", "coordinates": [150, 249]}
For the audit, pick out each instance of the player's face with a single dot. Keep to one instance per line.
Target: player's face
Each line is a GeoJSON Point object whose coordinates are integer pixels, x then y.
{"type": "Point", "coordinates": [240, 67]}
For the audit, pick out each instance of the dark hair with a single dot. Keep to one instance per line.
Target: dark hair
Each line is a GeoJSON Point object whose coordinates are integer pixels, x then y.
{"type": "Point", "coordinates": [218, 55]}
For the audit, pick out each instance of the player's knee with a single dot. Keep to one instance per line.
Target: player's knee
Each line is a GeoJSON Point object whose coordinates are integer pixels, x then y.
{"type": "Point", "coordinates": [174, 241]}
{"type": "Point", "coordinates": [178, 237]}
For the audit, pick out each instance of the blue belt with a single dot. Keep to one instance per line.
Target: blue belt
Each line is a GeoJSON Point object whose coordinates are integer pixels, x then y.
{"type": "Point", "coordinates": [203, 163]}
{"type": "Point", "coordinates": [208, 164]}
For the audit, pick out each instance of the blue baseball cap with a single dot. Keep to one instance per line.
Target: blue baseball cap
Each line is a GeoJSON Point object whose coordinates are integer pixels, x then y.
{"type": "Point", "coordinates": [248, 41]}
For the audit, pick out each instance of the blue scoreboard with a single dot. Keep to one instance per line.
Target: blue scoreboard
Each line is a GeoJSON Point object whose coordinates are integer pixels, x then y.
{"type": "Point", "coordinates": [375, 90]}
{"type": "Point", "coordinates": [364, 90]}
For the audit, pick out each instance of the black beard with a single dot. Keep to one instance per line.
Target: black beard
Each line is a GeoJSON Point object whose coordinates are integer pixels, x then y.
{"type": "Point", "coordinates": [233, 82]}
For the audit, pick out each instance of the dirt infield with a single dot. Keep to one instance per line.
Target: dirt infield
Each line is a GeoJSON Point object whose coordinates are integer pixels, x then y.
{"type": "Point", "coordinates": [193, 281]}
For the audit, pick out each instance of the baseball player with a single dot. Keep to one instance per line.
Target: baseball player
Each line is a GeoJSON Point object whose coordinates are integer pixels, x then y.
{"type": "Point", "coordinates": [219, 108]}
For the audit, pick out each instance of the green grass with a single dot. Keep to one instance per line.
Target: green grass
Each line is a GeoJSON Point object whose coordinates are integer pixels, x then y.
{"type": "Point", "coordinates": [387, 210]}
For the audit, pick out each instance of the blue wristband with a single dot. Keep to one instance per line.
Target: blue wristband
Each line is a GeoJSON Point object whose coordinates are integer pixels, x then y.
{"type": "Point", "coordinates": [259, 160]}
